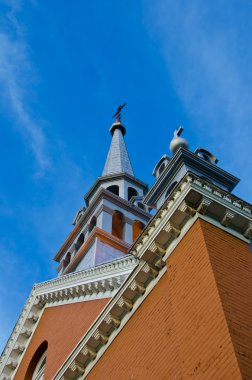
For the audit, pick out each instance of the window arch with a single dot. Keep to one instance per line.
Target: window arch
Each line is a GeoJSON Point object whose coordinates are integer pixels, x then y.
{"type": "Point", "coordinates": [118, 224]}
{"type": "Point", "coordinates": [36, 368]}
{"type": "Point", "coordinates": [137, 228]}
{"type": "Point", "coordinates": [38, 373]}
{"type": "Point", "coordinates": [66, 260]}
{"type": "Point", "coordinates": [79, 242]}
{"type": "Point", "coordinates": [92, 223]}
{"type": "Point", "coordinates": [113, 189]}
{"type": "Point", "coordinates": [131, 193]}
{"type": "Point", "coordinates": [161, 169]}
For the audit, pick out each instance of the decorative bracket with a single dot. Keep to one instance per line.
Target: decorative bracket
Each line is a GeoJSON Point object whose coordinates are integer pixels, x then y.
{"type": "Point", "coordinates": [204, 204]}
{"type": "Point", "coordinates": [227, 218]}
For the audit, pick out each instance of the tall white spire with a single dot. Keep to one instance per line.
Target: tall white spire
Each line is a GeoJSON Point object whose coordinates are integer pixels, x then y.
{"type": "Point", "coordinates": [118, 159]}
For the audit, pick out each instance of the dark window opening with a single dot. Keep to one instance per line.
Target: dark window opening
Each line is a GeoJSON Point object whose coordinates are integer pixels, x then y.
{"type": "Point", "coordinates": [131, 193]}
{"type": "Point", "coordinates": [37, 364]}
{"type": "Point", "coordinates": [161, 169]}
{"type": "Point", "coordinates": [79, 242]}
{"type": "Point", "coordinates": [66, 260]}
{"type": "Point", "coordinates": [92, 223]}
{"type": "Point", "coordinates": [113, 189]}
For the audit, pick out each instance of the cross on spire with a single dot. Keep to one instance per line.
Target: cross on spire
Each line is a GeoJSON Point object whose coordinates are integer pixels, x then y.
{"type": "Point", "coordinates": [117, 115]}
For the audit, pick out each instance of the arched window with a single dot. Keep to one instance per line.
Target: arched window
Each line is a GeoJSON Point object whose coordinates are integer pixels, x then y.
{"type": "Point", "coordinates": [131, 193]}
{"type": "Point", "coordinates": [161, 169]}
{"type": "Point", "coordinates": [118, 224]}
{"type": "Point", "coordinates": [92, 223]}
{"type": "Point", "coordinates": [170, 188]}
{"type": "Point", "coordinates": [137, 228]}
{"type": "Point", "coordinates": [79, 242]}
{"type": "Point", "coordinates": [113, 189]}
{"type": "Point", "coordinates": [40, 368]}
{"type": "Point", "coordinates": [66, 260]}
{"type": "Point", "coordinates": [37, 365]}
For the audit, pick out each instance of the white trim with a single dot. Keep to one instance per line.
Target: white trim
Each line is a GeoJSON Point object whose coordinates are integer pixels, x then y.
{"type": "Point", "coordinates": [98, 273]}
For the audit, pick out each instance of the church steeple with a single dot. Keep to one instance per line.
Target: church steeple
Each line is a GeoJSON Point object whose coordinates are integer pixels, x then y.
{"type": "Point", "coordinates": [114, 215]}
{"type": "Point", "coordinates": [118, 159]}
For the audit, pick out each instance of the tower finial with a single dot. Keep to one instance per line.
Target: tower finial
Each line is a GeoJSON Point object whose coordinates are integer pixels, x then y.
{"type": "Point", "coordinates": [117, 115]}
{"type": "Point", "coordinates": [178, 141]}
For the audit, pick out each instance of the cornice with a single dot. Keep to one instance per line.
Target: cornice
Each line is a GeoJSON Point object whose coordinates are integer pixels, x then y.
{"type": "Point", "coordinates": [104, 236]}
{"type": "Point", "coordinates": [184, 157]}
{"type": "Point", "coordinates": [208, 199]}
{"type": "Point", "coordinates": [193, 198]}
{"type": "Point", "coordinates": [99, 282]}
{"type": "Point", "coordinates": [110, 177]}
{"type": "Point", "coordinates": [102, 194]}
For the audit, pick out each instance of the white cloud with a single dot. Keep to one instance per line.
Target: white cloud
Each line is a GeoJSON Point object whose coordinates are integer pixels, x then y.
{"type": "Point", "coordinates": [16, 77]}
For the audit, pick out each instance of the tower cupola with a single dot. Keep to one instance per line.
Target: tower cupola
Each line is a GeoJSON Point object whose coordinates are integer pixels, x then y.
{"type": "Point", "coordinates": [170, 171]}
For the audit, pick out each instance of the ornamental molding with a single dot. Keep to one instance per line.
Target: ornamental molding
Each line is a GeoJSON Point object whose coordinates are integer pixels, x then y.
{"type": "Point", "coordinates": [115, 176]}
{"type": "Point", "coordinates": [195, 195]}
{"type": "Point", "coordinates": [102, 281]}
{"type": "Point", "coordinates": [192, 199]}
{"type": "Point", "coordinates": [102, 235]}
{"type": "Point", "coordinates": [92, 210]}
{"type": "Point", "coordinates": [189, 159]}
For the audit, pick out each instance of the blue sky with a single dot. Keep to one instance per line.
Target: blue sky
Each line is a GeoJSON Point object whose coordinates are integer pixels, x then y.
{"type": "Point", "coordinates": [64, 68]}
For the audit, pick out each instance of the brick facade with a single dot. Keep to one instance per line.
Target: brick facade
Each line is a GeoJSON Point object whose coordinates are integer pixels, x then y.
{"type": "Point", "coordinates": [62, 327]}
{"type": "Point", "coordinates": [196, 322]}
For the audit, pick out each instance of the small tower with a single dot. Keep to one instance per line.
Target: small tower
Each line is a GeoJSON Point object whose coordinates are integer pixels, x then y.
{"type": "Point", "coordinates": [114, 215]}
{"type": "Point", "coordinates": [170, 171]}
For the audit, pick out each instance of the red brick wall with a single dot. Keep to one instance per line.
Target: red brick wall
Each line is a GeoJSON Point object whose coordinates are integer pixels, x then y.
{"type": "Point", "coordinates": [232, 265]}
{"type": "Point", "coordinates": [180, 331]}
{"type": "Point", "coordinates": [62, 326]}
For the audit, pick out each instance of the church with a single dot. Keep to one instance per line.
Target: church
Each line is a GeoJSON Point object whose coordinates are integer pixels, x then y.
{"type": "Point", "coordinates": [153, 283]}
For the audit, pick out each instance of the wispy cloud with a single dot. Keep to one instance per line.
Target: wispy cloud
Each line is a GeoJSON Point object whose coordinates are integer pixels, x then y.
{"type": "Point", "coordinates": [16, 77]}
{"type": "Point", "coordinates": [205, 48]}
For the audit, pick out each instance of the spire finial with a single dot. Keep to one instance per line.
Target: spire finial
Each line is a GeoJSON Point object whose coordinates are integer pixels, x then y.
{"type": "Point", "coordinates": [177, 141]}
{"type": "Point", "coordinates": [117, 115]}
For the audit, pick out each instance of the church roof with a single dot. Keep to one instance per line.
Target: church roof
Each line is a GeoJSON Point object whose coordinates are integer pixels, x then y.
{"type": "Point", "coordinates": [118, 159]}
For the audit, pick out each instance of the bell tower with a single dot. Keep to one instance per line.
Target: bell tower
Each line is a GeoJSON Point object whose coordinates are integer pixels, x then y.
{"type": "Point", "coordinates": [114, 215]}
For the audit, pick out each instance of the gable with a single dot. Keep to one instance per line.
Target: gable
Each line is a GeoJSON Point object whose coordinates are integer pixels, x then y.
{"type": "Point", "coordinates": [62, 327]}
